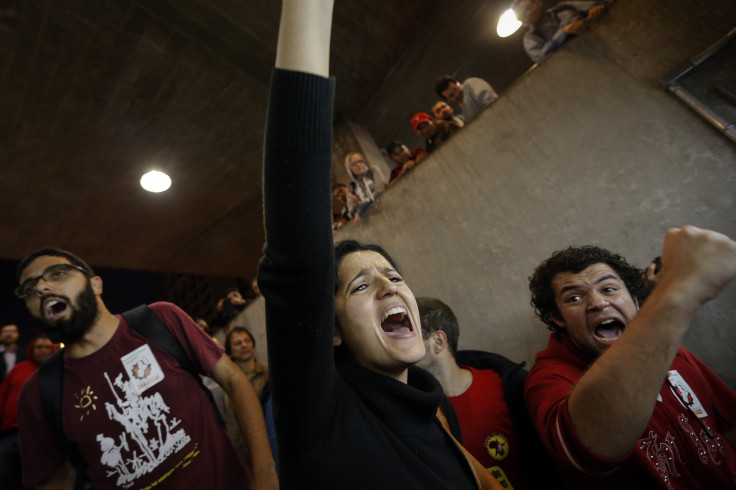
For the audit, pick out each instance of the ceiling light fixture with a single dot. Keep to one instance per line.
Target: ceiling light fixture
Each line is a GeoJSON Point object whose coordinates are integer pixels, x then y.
{"type": "Point", "coordinates": [155, 181]}
{"type": "Point", "coordinates": [507, 24]}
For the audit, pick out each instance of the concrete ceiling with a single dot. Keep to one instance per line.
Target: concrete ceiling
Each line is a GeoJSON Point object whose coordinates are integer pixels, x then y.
{"type": "Point", "coordinates": [96, 93]}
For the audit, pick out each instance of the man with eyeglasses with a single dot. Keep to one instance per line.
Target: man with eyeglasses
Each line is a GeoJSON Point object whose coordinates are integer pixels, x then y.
{"type": "Point", "coordinates": [138, 418]}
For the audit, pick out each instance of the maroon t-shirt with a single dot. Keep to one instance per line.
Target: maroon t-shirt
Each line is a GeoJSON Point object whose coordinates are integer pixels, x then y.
{"type": "Point", "coordinates": [488, 432]}
{"type": "Point", "coordinates": [139, 419]}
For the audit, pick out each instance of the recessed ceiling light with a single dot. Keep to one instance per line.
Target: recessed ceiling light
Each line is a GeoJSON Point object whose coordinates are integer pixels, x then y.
{"type": "Point", "coordinates": [507, 24]}
{"type": "Point", "coordinates": [155, 181]}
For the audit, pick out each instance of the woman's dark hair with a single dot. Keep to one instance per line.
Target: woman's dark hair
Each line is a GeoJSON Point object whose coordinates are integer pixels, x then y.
{"type": "Point", "coordinates": [346, 247]}
{"type": "Point", "coordinates": [574, 260]}
{"type": "Point", "coordinates": [233, 331]}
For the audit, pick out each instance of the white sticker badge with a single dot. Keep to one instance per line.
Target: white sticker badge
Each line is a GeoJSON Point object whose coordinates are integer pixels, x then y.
{"type": "Point", "coordinates": [142, 368]}
{"type": "Point", "coordinates": [687, 397]}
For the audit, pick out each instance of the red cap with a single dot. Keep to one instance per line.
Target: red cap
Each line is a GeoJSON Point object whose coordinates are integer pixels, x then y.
{"type": "Point", "coordinates": [419, 118]}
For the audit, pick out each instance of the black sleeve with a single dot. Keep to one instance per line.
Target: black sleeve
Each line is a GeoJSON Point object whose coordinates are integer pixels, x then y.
{"type": "Point", "coordinates": [296, 274]}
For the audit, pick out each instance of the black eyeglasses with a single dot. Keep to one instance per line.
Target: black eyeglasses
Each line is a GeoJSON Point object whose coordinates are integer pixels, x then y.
{"type": "Point", "coordinates": [52, 274]}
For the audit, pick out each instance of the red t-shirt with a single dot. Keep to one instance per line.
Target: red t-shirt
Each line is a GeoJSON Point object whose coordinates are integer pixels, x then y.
{"type": "Point", "coordinates": [487, 429]}
{"type": "Point", "coordinates": [674, 451]}
{"type": "Point", "coordinates": [139, 419]}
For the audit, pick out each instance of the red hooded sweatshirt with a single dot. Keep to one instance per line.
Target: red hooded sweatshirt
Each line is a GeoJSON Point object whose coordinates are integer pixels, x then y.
{"type": "Point", "coordinates": [10, 388]}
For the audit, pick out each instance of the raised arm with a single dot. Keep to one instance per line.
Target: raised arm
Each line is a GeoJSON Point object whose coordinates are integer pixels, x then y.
{"type": "Point", "coordinates": [296, 274]}
{"type": "Point", "coordinates": [248, 412]}
{"type": "Point", "coordinates": [612, 403]}
{"type": "Point", "coordinates": [304, 36]}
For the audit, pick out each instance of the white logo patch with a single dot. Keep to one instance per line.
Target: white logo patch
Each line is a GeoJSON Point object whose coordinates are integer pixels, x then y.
{"type": "Point", "coordinates": [142, 368]}
{"type": "Point", "coordinates": [685, 394]}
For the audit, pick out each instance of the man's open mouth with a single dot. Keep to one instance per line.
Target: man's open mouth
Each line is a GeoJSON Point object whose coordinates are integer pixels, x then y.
{"type": "Point", "coordinates": [53, 308]}
{"type": "Point", "coordinates": [396, 323]}
{"type": "Point", "coordinates": [609, 330]}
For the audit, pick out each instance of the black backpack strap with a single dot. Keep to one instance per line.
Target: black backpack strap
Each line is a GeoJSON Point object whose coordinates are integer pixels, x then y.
{"type": "Point", "coordinates": [144, 321]}
{"type": "Point", "coordinates": [51, 387]}
{"type": "Point", "coordinates": [50, 384]}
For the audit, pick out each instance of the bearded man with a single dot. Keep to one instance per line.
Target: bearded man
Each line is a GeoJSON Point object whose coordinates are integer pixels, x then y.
{"type": "Point", "coordinates": [137, 418]}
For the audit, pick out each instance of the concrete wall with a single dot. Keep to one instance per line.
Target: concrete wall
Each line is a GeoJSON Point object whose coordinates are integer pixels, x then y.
{"type": "Point", "coordinates": [587, 148]}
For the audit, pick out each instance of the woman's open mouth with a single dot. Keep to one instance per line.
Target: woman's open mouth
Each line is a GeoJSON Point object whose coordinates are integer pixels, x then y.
{"type": "Point", "coordinates": [397, 323]}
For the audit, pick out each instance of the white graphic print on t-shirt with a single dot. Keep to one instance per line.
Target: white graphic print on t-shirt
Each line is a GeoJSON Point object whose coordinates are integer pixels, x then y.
{"type": "Point", "coordinates": [150, 434]}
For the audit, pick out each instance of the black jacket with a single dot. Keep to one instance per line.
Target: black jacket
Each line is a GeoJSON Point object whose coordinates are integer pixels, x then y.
{"type": "Point", "coordinates": [513, 376]}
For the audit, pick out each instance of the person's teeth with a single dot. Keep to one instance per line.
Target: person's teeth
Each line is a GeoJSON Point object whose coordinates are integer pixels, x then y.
{"type": "Point", "coordinates": [50, 305]}
{"type": "Point", "coordinates": [393, 311]}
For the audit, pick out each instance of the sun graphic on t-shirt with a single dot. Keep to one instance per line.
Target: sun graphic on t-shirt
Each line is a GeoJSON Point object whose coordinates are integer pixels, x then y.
{"type": "Point", "coordinates": [85, 401]}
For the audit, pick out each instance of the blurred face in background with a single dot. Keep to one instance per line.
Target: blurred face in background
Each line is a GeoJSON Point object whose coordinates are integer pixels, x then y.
{"type": "Point", "coordinates": [442, 111]}
{"type": "Point", "coordinates": [241, 347]}
{"type": "Point", "coordinates": [400, 155]}
{"type": "Point", "coordinates": [42, 349]}
{"type": "Point", "coordinates": [9, 334]}
{"type": "Point", "coordinates": [357, 164]}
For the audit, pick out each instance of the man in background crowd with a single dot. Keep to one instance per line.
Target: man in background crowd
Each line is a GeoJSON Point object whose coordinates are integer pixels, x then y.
{"type": "Point", "coordinates": [472, 95]}
{"type": "Point", "coordinates": [10, 354]}
{"type": "Point", "coordinates": [434, 133]}
{"type": "Point", "coordinates": [548, 29]}
{"type": "Point", "coordinates": [404, 159]}
{"type": "Point", "coordinates": [443, 112]}
{"type": "Point", "coordinates": [487, 392]}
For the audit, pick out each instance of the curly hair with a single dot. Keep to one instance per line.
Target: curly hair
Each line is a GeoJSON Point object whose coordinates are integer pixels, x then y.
{"type": "Point", "coordinates": [574, 260]}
